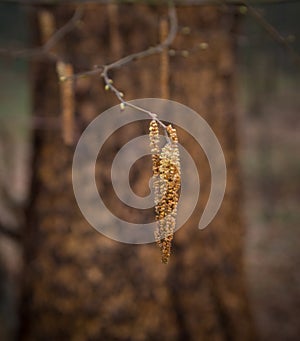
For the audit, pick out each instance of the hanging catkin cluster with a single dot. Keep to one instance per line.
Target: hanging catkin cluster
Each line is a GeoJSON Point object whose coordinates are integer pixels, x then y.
{"type": "Point", "coordinates": [166, 184]}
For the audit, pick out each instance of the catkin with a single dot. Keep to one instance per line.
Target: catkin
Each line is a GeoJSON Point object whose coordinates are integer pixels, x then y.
{"type": "Point", "coordinates": [166, 183]}
{"type": "Point", "coordinates": [154, 145]}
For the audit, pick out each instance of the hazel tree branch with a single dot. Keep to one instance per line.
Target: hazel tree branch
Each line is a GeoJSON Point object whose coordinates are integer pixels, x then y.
{"type": "Point", "coordinates": [139, 55]}
{"type": "Point", "coordinates": [68, 27]}
{"type": "Point", "coordinates": [103, 70]}
{"type": "Point", "coordinates": [271, 30]}
{"type": "Point", "coordinates": [151, 50]}
{"type": "Point", "coordinates": [45, 50]}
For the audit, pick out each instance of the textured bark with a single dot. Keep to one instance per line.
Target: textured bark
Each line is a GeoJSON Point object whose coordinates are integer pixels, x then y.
{"type": "Point", "coordinates": [80, 285]}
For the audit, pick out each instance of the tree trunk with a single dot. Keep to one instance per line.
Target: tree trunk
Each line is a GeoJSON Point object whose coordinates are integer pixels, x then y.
{"type": "Point", "coordinates": [80, 285]}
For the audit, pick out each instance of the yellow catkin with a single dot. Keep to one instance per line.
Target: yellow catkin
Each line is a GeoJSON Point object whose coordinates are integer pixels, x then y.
{"type": "Point", "coordinates": [167, 178]}
{"type": "Point", "coordinates": [154, 145]}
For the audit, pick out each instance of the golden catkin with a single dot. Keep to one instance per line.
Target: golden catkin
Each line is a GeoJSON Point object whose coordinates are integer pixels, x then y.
{"type": "Point", "coordinates": [154, 145]}
{"type": "Point", "coordinates": [167, 178]}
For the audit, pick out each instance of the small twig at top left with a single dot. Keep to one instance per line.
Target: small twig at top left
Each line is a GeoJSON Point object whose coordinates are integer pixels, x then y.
{"type": "Point", "coordinates": [45, 49]}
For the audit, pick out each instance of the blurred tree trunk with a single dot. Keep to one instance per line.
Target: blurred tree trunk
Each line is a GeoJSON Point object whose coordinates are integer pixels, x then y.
{"type": "Point", "coordinates": [80, 285]}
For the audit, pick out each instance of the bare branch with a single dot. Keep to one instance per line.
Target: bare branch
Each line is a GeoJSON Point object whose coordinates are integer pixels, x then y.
{"type": "Point", "coordinates": [271, 30]}
{"type": "Point", "coordinates": [69, 26]}
{"type": "Point", "coordinates": [44, 50]}
{"type": "Point", "coordinates": [152, 50]}
{"type": "Point", "coordinates": [139, 55]}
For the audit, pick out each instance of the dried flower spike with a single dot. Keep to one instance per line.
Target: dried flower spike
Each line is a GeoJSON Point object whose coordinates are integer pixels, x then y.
{"type": "Point", "coordinates": [154, 141]}
{"type": "Point", "coordinates": [167, 178]}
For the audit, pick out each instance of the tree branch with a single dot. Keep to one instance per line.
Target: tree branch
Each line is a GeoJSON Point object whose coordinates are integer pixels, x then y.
{"type": "Point", "coordinates": [44, 50]}
{"type": "Point", "coordinates": [271, 30]}
{"type": "Point", "coordinates": [69, 26]}
{"type": "Point", "coordinates": [139, 55]}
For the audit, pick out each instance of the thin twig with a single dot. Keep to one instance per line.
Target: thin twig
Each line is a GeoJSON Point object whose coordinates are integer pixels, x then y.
{"type": "Point", "coordinates": [139, 55]}
{"type": "Point", "coordinates": [152, 50]}
{"type": "Point", "coordinates": [120, 95]}
{"type": "Point", "coordinates": [271, 30]}
{"type": "Point", "coordinates": [69, 26]}
{"type": "Point", "coordinates": [44, 50]}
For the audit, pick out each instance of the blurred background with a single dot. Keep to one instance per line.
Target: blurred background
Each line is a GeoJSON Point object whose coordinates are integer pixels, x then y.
{"type": "Point", "coordinates": [268, 107]}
